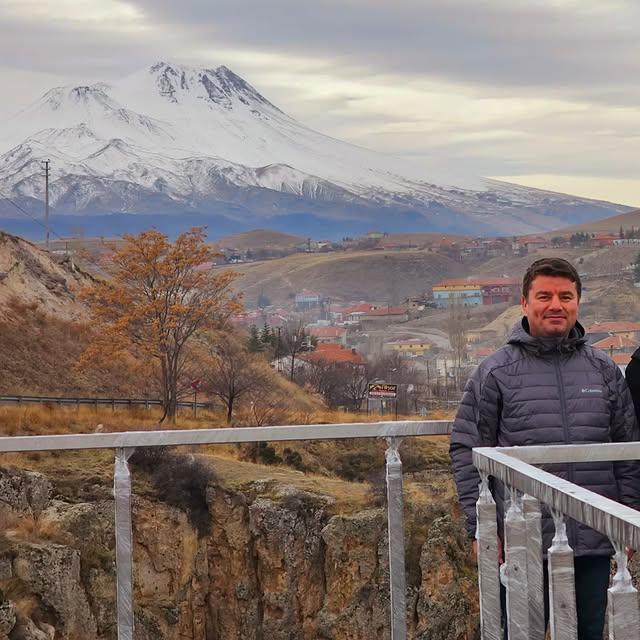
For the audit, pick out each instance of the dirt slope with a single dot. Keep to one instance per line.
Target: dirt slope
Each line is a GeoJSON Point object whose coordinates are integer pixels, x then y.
{"type": "Point", "coordinates": [34, 277]}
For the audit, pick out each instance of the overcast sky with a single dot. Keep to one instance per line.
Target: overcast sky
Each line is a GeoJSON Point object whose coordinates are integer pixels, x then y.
{"type": "Point", "coordinates": [542, 92]}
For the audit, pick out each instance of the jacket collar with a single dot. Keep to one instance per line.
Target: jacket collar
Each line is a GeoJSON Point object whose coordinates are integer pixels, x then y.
{"type": "Point", "coordinates": [520, 336]}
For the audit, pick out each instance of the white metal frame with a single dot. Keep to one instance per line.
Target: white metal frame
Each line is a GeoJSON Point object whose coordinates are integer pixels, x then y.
{"type": "Point", "coordinates": [125, 442]}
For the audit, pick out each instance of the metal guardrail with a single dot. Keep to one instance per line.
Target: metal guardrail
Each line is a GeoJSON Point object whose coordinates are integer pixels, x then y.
{"type": "Point", "coordinates": [112, 402]}
{"type": "Point", "coordinates": [528, 486]}
{"type": "Point", "coordinates": [125, 442]}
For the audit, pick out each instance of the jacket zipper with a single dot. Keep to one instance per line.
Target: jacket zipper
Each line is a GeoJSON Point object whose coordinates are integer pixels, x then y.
{"type": "Point", "coordinates": [571, 525]}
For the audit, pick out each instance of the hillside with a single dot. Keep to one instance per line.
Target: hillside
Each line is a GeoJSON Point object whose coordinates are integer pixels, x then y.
{"type": "Point", "coordinates": [32, 276]}
{"type": "Point", "coordinates": [370, 275]}
{"type": "Point", "coordinates": [259, 239]}
{"type": "Point", "coordinates": [606, 225]}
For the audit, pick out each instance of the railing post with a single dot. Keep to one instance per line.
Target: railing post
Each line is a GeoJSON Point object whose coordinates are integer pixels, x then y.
{"type": "Point", "coordinates": [535, 568]}
{"type": "Point", "coordinates": [562, 585]}
{"type": "Point", "coordinates": [395, 519]}
{"type": "Point", "coordinates": [488, 575]}
{"type": "Point", "coordinates": [515, 540]}
{"type": "Point", "coordinates": [124, 544]}
{"type": "Point", "coordinates": [624, 618]}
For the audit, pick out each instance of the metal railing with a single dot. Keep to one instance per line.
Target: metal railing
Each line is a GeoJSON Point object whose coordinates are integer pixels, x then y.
{"type": "Point", "coordinates": [124, 444]}
{"type": "Point", "coordinates": [95, 402]}
{"type": "Point", "coordinates": [529, 486]}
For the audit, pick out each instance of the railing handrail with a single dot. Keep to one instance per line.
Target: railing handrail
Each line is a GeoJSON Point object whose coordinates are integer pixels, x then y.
{"type": "Point", "coordinates": [129, 439]}
{"type": "Point", "coordinates": [564, 453]}
{"type": "Point", "coordinates": [31, 399]}
{"type": "Point", "coordinates": [617, 521]}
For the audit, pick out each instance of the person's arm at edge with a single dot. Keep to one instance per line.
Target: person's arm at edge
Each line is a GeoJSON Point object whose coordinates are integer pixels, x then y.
{"type": "Point", "coordinates": [624, 428]}
{"type": "Point", "coordinates": [632, 376]}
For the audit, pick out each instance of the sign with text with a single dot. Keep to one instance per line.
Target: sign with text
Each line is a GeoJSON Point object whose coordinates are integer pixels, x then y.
{"type": "Point", "coordinates": [383, 390]}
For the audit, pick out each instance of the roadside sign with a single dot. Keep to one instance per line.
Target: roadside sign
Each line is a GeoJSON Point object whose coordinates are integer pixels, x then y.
{"type": "Point", "coordinates": [383, 390]}
{"type": "Point", "coordinates": [196, 384]}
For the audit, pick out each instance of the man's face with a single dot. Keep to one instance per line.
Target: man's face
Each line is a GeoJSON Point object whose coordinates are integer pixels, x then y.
{"type": "Point", "coordinates": [551, 306]}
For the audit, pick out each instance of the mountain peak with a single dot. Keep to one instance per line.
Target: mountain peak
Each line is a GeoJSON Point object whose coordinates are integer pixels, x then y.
{"type": "Point", "coordinates": [78, 94]}
{"type": "Point", "coordinates": [220, 86]}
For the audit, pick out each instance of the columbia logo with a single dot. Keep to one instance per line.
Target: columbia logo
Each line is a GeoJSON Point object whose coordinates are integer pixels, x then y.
{"type": "Point", "coordinates": [588, 390]}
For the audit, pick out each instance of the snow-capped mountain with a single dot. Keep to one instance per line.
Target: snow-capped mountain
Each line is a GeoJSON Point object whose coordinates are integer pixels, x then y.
{"type": "Point", "coordinates": [177, 140]}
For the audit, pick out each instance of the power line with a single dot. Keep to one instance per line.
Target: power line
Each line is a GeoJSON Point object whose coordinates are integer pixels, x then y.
{"type": "Point", "coordinates": [26, 213]}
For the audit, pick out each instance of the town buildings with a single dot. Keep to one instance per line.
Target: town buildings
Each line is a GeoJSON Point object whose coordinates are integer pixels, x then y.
{"type": "Point", "coordinates": [473, 292]}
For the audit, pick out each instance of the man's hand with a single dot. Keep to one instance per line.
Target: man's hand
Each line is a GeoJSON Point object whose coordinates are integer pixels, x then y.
{"type": "Point", "coordinates": [500, 551]}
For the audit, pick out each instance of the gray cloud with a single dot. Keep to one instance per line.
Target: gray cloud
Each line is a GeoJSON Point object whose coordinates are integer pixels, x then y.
{"type": "Point", "coordinates": [583, 54]}
{"type": "Point", "coordinates": [504, 43]}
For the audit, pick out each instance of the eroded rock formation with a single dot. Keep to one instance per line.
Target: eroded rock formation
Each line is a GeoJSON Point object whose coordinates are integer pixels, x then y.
{"type": "Point", "coordinates": [278, 564]}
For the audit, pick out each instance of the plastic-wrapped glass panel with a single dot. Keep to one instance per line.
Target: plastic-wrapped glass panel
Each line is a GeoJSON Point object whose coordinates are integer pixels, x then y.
{"type": "Point", "coordinates": [562, 589]}
{"type": "Point", "coordinates": [535, 570]}
{"type": "Point", "coordinates": [488, 579]}
{"type": "Point", "coordinates": [515, 571]}
{"type": "Point", "coordinates": [624, 618]}
{"type": "Point", "coordinates": [124, 544]}
{"type": "Point", "coordinates": [395, 517]}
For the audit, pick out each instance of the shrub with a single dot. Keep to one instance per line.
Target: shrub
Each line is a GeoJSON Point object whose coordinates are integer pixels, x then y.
{"type": "Point", "coordinates": [267, 454]}
{"type": "Point", "coordinates": [294, 459]}
{"type": "Point", "coordinates": [180, 480]}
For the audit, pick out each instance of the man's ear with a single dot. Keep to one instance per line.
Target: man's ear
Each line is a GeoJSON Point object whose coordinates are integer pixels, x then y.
{"type": "Point", "coordinates": [524, 305]}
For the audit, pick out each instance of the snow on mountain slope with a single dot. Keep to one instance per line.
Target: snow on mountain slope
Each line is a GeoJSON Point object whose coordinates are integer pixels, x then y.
{"type": "Point", "coordinates": [187, 136]}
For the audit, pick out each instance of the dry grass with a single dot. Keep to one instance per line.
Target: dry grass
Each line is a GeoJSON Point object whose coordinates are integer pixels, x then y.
{"type": "Point", "coordinates": [20, 596]}
{"type": "Point", "coordinates": [27, 528]}
{"type": "Point", "coordinates": [40, 352]}
{"type": "Point", "coordinates": [344, 469]}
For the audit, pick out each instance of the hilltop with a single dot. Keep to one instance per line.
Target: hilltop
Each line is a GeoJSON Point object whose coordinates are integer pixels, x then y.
{"type": "Point", "coordinates": [605, 225]}
{"type": "Point", "coordinates": [260, 239]}
{"type": "Point", "coordinates": [353, 275]}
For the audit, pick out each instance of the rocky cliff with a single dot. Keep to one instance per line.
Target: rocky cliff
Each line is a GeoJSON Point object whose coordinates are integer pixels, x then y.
{"type": "Point", "coordinates": [274, 562]}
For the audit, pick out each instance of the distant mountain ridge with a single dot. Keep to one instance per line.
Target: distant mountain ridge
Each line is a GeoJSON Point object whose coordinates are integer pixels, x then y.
{"type": "Point", "coordinates": [178, 142]}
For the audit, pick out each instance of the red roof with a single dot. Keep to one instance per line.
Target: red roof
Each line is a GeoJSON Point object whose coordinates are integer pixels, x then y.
{"type": "Point", "coordinates": [615, 342]}
{"type": "Point", "coordinates": [362, 307]}
{"type": "Point", "coordinates": [327, 332]}
{"type": "Point", "coordinates": [333, 353]}
{"type": "Point", "coordinates": [387, 311]}
{"type": "Point", "coordinates": [621, 358]}
{"type": "Point", "coordinates": [613, 327]}
{"type": "Point", "coordinates": [478, 282]}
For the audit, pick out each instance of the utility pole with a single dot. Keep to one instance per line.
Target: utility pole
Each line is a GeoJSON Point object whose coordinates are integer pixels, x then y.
{"type": "Point", "coordinates": [46, 201]}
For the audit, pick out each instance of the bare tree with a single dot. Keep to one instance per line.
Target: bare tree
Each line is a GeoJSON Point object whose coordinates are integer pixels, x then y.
{"type": "Point", "coordinates": [457, 328]}
{"type": "Point", "coordinates": [356, 386]}
{"type": "Point", "coordinates": [233, 373]}
{"type": "Point", "coordinates": [293, 340]}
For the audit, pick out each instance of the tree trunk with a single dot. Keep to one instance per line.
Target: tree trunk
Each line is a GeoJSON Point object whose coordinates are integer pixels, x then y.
{"type": "Point", "coordinates": [165, 390]}
{"type": "Point", "coordinates": [229, 409]}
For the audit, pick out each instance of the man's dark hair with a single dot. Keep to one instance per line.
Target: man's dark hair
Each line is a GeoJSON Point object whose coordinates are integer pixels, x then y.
{"type": "Point", "coordinates": [556, 267]}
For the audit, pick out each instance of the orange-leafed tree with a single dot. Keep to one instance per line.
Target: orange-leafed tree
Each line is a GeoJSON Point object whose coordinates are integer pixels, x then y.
{"type": "Point", "coordinates": [159, 296]}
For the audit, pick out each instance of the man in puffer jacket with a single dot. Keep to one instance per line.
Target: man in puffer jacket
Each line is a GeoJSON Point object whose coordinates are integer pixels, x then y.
{"type": "Point", "coordinates": [548, 386]}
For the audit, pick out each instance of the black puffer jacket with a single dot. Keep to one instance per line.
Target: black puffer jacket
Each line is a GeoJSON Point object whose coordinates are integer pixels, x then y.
{"type": "Point", "coordinates": [632, 375]}
{"type": "Point", "coordinates": [537, 391]}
